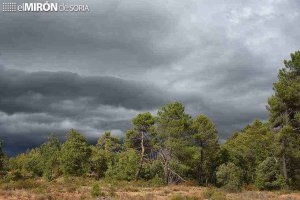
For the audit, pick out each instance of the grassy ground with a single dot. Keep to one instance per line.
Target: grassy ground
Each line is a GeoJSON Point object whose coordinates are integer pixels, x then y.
{"type": "Point", "coordinates": [78, 188]}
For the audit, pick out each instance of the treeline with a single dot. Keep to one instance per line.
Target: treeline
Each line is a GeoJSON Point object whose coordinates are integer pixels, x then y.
{"type": "Point", "coordinates": [173, 147]}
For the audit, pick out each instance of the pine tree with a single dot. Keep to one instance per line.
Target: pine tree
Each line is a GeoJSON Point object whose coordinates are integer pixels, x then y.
{"type": "Point", "coordinates": [50, 152]}
{"type": "Point", "coordinates": [139, 137]}
{"type": "Point", "coordinates": [174, 133]}
{"type": "Point", "coordinates": [284, 108]}
{"type": "Point", "coordinates": [248, 148]}
{"type": "Point", "coordinates": [205, 137]}
{"type": "Point", "coordinates": [75, 155]}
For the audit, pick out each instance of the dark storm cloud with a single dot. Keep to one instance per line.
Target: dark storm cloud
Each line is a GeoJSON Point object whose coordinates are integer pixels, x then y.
{"type": "Point", "coordinates": [35, 92]}
{"type": "Point", "coordinates": [95, 71]}
{"type": "Point", "coordinates": [32, 105]}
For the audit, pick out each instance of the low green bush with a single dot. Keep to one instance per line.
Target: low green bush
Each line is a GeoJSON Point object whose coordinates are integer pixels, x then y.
{"type": "Point", "coordinates": [156, 182]}
{"type": "Point", "coordinates": [229, 176]}
{"type": "Point", "coordinates": [96, 191]}
{"type": "Point", "coordinates": [268, 175]}
{"type": "Point", "coordinates": [125, 168]}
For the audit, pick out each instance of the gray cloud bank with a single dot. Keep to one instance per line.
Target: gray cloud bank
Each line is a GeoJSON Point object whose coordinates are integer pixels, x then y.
{"type": "Point", "coordinates": [95, 71]}
{"type": "Point", "coordinates": [32, 105]}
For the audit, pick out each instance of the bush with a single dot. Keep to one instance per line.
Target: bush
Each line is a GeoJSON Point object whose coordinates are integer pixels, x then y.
{"type": "Point", "coordinates": [268, 175]}
{"type": "Point", "coordinates": [96, 192]}
{"type": "Point", "coordinates": [75, 155]}
{"type": "Point", "coordinates": [156, 181]}
{"type": "Point", "coordinates": [99, 162]}
{"type": "Point", "coordinates": [14, 175]}
{"type": "Point", "coordinates": [230, 177]}
{"type": "Point", "coordinates": [125, 168]}
{"type": "Point", "coordinates": [151, 170]}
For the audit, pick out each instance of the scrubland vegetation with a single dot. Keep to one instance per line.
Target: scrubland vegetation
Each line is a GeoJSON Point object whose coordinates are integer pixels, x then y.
{"type": "Point", "coordinates": [170, 155]}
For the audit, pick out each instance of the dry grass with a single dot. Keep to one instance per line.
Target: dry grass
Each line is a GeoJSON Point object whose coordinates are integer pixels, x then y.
{"type": "Point", "coordinates": [78, 189]}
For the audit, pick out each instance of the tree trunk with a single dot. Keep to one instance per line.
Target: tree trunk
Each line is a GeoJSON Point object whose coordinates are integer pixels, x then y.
{"type": "Point", "coordinates": [137, 175]}
{"type": "Point", "coordinates": [165, 156]}
{"type": "Point", "coordinates": [166, 172]}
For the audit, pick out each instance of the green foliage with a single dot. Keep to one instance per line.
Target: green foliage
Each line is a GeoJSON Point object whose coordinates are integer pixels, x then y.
{"type": "Point", "coordinates": [74, 156]}
{"type": "Point", "coordinates": [96, 191]}
{"type": "Point", "coordinates": [99, 162]}
{"type": "Point", "coordinates": [143, 122]}
{"type": "Point", "coordinates": [205, 136]}
{"type": "Point", "coordinates": [14, 175]}
{"type": "Point", "coordinates": [152, 169]}
{"type": "Point", "coordinates": [104, 153]}
{"type": "Point", "coordinates": [156, 181]}
{"type": "Point", "coordinates": [132, 139]}
{"type": "Point", "coordinates": [42, 161]}
{"type": "Point", "coordinates": [205, 131]}
{"type": "Point", "coordinates": [250, 147]}
{"type": "Point", "coordinates": [229, 176]}
{"type": "Point", "coordinates": [173, 122]}
{"type": "Point", "coordinates": [173, 130]}
{"type": "Point", "coordinates": [284, 107]}
{"type": "Point", "coordinates": [49, 153]}
{"type": "Point", "coordinates": [109, 143]}
{"type": "Point", "coordinates": [268, 175]}
{"type": "Point", "coordinates": [28, 164]}
{"type": "Point", "coordinates": [140, 137]}
{"type": "Point", "coordinates": [126, 166]}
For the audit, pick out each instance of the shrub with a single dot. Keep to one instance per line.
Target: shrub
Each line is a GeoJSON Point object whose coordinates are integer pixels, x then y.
{"type": "Point", "coordinates": [151, 170]}
{"type": "Point", "coordinates": [268, 175]}
{"type": "Point", "coordinates": [14, 175]}
{"type": "Point", "coordinates": [230, 177]}
{"type": "Point", "coordinates": [156, 181]}
{"type": "Point", "coordinates": [125, 168]}
{"type": "Point", "coordinates": [49, 153]}
{"type": "Point", "coordinates": [99, 162]}
{"type": "Point", "coordinates": [74, 155]}
{"type": "Point", "coordinates": [96, 192]}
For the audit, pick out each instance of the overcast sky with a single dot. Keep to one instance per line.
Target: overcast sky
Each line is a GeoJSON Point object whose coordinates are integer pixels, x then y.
{"type": "Point", "coordinates": [94, 71]}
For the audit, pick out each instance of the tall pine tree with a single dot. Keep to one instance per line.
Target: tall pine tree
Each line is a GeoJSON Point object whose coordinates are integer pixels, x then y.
{"type": "Point", "coordinates": [284, 108]}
